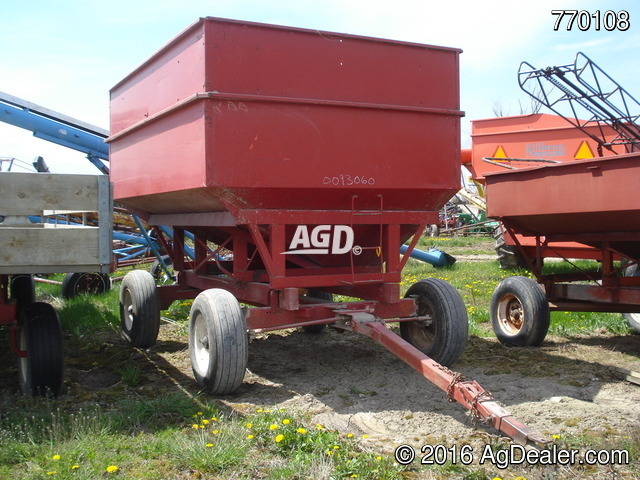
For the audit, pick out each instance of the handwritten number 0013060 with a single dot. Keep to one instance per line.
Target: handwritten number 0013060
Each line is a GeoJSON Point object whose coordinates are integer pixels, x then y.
{"type": "Point", "coordinates": [584, 20]}
{"type": "Point", "coordinates": [348, 180]}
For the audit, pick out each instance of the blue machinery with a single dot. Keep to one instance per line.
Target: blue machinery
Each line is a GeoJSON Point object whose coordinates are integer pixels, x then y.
{"type": "Point", "coordinates": [434, 256]}
{"type": "Point", "coordinates": [56, 128]}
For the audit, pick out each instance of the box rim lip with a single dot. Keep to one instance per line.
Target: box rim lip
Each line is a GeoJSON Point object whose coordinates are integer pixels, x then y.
{"type": "Point", "coordinates": [203, 20]}
{"type": "Point", "coordinates": [499, 175]}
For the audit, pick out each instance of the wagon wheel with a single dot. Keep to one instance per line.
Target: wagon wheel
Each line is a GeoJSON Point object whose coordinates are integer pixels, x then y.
{"type": "Point", "coordinates": [75, 284]}
{"type": "Point", "coordinates": [519, 312]}
{"type": "Point", "coordinates": [139, 309]}
{"type": "Point", "coordinates": [23, 291]}
{"type": "Point", "coordinates": [509, 257]}
{"type": "Point", "coordinates": [433, 230]}
{"type": "Point", "coordinates": [42, 369]}
{"type": "Point", "coordinates": [218, 343]}
{"type": "Point", "coordinates": [318, 328]}
{"type": "Point", "coordinates": [633, 320]}
{"type": "Point", "coordinates": [443, 336]}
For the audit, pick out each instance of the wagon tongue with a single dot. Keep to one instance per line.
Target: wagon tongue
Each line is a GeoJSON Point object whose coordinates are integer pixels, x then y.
{"type": "Point", "coordinates": [473, 397]}
{"type": "Point", "coordinates": [467, 393]}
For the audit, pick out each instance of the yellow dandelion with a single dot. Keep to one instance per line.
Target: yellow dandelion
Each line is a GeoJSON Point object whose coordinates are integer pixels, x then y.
{"type": "Point", "coordinates": [336, 447]}
{"type": "Point", "coordinates": [520, 478]}
{"type": "Point", "coordinates": [205, 422]}
{"type": "Point", "coordinates": [267, 411]}
{"type": "Point", "coordinates": [53, 472]}
{"type": "Point", "coordinates": [286, 421]}
{"type": "Point", "coordinates": [112, 469]}
{"type": "Point", "coordinates": [556, 437]}
{"type": "Point", "coordinates": [209, 445]}
{"type": "Point", "coordinates": [273, 426]}
{"type": "Point", "coordinates": [496, 478]}
{"type": "Point", "coordinates": [200, 426]}
{"type": "Point", "coordinates": [250, 437]}
{"type": "Point", "coordinates": [195, 425]}
{"type": "Point", "coordinates": [378, 458]}
{"type": "Point", "coordinates": [260, 410]}
{"type": "Point", "coordinates": [214, 419]}
{"type": "Point", "coordinates": [75, 467]}
{"type": "Point", "coordinates": [329, 452]}
{"type": "Point", "coordinates": [349, 435]}
{"type": "Point", "coordinates": [301, 431]}
{"type": "Point", "coordinates": [200, 414]}
{"type": "Point", "coordinates": [319, 426]}
{"type": "Point", "coordinates": [55, 457]}
{"type": "Point", "coordinates": [365, 436]}
{"type": "Point", "coordinates": [249, 425]}
{"type": "Point", "coordinates": [216, 432]}
{"type": "Point", "coordinates": [279, 438]}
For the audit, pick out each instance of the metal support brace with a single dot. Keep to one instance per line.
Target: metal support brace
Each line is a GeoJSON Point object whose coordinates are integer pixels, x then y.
{"type": "Point", "coordinates": [468, 393]}
{"type": "Point", "coordinates": [152, 245]}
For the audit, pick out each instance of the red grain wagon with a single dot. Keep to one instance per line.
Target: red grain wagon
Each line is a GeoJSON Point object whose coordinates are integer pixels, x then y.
{"type": "Point", "coordinates": [524, 141]}
{"type": "Point", "coordinates": [312, 157]}
{"type": "Point", "coordinates": [584, 201]}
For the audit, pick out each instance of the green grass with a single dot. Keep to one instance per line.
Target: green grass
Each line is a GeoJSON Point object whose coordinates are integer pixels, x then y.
{"type": "Point", "coordinates": [168, 438]}
{"type": "Point", "coordinates": [462, 245]}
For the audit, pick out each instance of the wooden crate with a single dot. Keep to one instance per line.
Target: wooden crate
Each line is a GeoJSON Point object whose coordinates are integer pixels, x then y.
{"type": "Point", "coordinates": [27, 247]}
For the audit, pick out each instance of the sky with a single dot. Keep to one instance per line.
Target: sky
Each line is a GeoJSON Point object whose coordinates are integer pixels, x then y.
{"type": "Point", "coordinates": [66, 55]}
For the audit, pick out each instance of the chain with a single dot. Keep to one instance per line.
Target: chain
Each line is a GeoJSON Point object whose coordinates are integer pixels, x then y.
{"type": "Point", "coordinates": [483, 396]}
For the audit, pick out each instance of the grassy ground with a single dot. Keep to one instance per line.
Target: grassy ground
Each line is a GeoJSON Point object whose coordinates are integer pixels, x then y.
{"type": "Point", "coordinates": [174, 436]}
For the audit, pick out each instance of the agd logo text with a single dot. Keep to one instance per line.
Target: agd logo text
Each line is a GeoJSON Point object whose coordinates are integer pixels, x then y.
{"type": "Point", "coordinates": [323, 239]}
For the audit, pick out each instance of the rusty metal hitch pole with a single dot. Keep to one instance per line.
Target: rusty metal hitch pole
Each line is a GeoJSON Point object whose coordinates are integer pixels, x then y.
{"type": "Point", "coordinates": [467, 393]}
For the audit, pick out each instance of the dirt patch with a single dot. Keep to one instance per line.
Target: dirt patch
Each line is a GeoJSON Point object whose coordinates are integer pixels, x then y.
{"type": "Point", "coordinates": [349, 383]}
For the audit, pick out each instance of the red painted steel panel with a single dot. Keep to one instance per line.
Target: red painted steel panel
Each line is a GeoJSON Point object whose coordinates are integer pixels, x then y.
{"type": "Point", "coordinates": [588, 201]}
{"type": "Point", "coordinates": [234, 115]}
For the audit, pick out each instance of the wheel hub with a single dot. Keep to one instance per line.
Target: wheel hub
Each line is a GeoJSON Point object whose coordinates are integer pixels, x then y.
{"type": "Point", "coordinates": [128, 320]}
{"type": "Point", "coordinates": [201, 344]}
{"type": "Point", "coordinates": [511, 314]}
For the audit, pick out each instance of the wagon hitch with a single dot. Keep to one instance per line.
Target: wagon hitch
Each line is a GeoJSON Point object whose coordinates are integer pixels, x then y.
{"type": "Point", "coordinates": [467, 393]}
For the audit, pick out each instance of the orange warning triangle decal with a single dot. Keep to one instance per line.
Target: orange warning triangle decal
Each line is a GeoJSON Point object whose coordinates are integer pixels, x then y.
{"type": "Point", "coordinates": [500, 153]}
{"type": "Point", "coordinates": [584, 151]}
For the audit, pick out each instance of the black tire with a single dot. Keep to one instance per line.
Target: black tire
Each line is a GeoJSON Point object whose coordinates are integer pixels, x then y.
{"type": "Point", "coordinates": [41, 371]}
{"type": "Point", "coordinates": [159, 274]}
{"type": "Point", "coordinates": [79, 283]}
{"type": "Point", "coordinates": [218, 342]}
{"type": "Point", "coordinates": [22, 291]}
{"type": "Point", "coordinates": [509, 257]}
{"type": "Point", "coordinates": [318, 328]}
{"type": "Point", "coordinates": [519, 312]}
{"type": "Point", "coordinates": [445, 337]}
{"type": "Point", "coordinates": [139, 309]}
